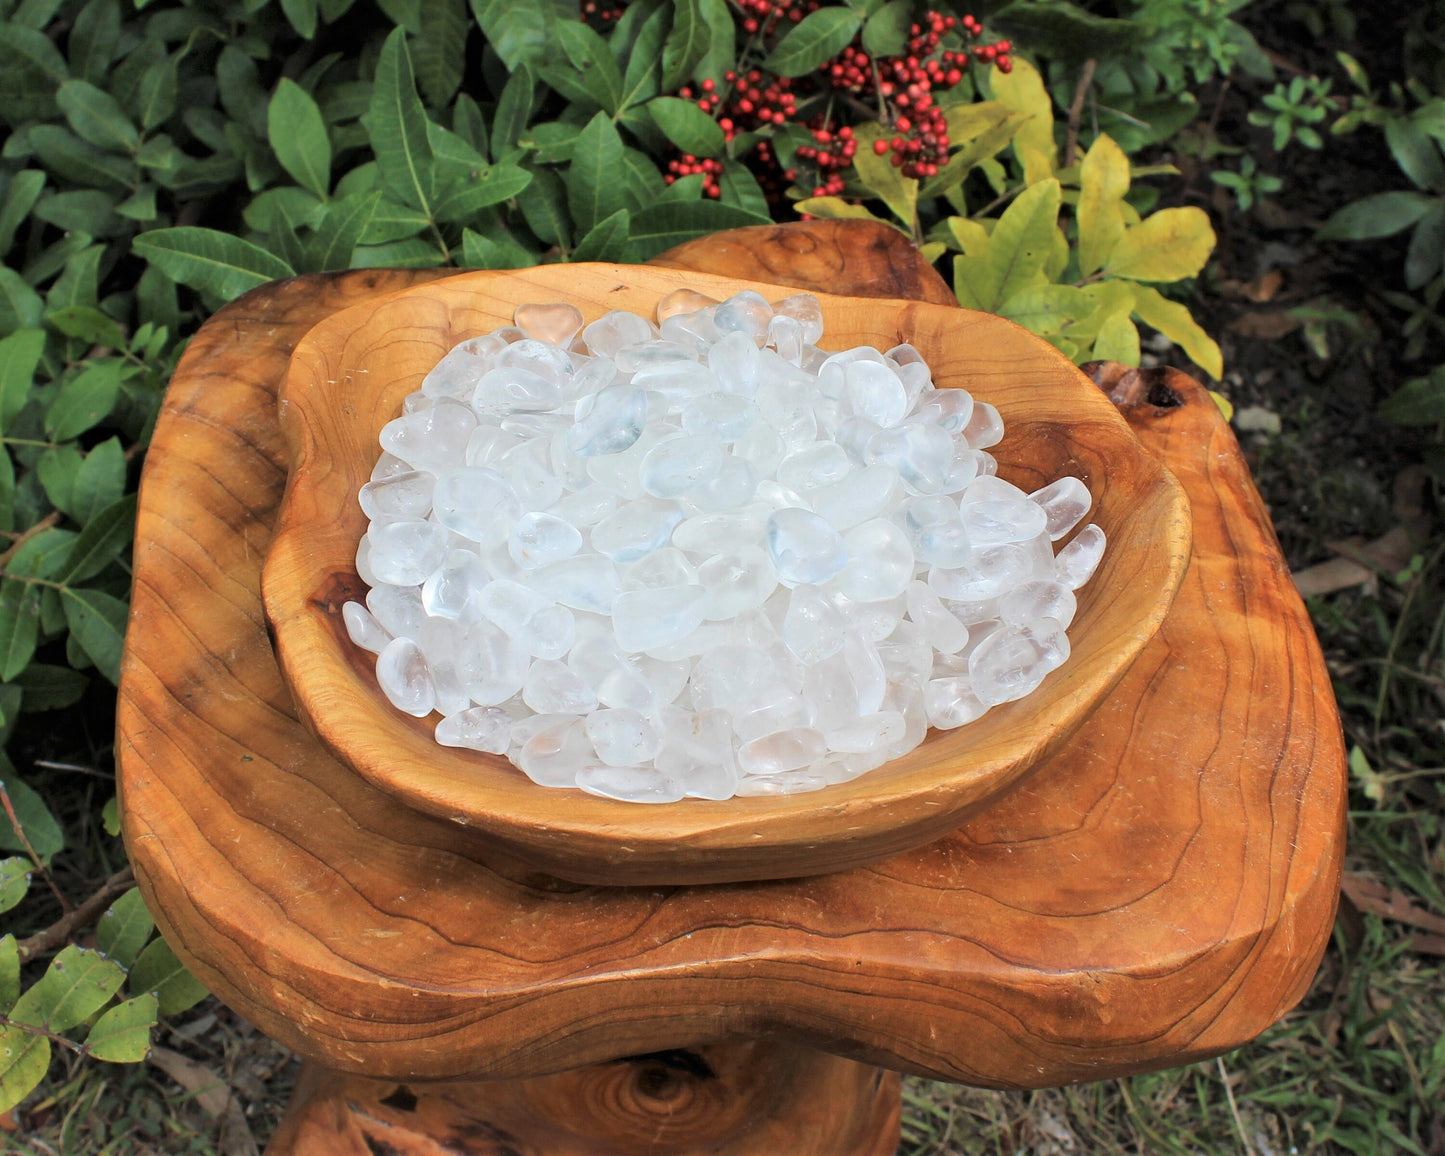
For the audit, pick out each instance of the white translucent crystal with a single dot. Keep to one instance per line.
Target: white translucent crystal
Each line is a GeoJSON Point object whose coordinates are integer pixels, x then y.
{"type": "Point", "coordinates": [363, 628]}
{"type": "Point", "coordinates": [644, 619]}
{"type": "Point", "coordinates": [478, 503]}
{"type": "Point", "coordinates": [608, 422]}
{"type": "Point", "coordinates": [477, 728]}
{"type": "Point", "coordinates": [405, 553]}
{"type": "Point", "coordinates": [1065, 503]}
{"type": "Point", "coordinates": [402, 674]}
{"type": "Point", "coordinates": [803, 547]}
{"type": "Point", "coordinates": [706, 558]}
{"type": "Point", "coordinates": [1077, 561]}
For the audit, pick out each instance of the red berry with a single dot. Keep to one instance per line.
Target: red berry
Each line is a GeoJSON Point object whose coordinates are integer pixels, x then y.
{"type": "Point", "coordinates": [709, 85]}
{"type": "Point", "coordinates": [880, 147]}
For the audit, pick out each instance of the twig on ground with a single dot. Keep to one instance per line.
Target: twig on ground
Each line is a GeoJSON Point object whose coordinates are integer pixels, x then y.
{"type": "Point", "coordinates": [76, 918]}
{"type": "Point", "coordinates": [1233, 1107]}
{"type": "Point", "coordinates": [1076, 109]}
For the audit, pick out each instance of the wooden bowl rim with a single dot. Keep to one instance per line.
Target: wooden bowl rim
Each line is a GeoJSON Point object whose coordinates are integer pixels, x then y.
{"type": "Point", "coordinates": [585, 837]}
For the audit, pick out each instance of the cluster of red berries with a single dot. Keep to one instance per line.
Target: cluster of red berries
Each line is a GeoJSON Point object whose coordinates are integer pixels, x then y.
{"type": "Point", "coordinates": [687, 164]}
{"type": "Point", "coordinates": [831, 152]}
{"type": "Point", "coordinates": [765, 15]}
{"type": "Point", "coordinates": [904, 87]}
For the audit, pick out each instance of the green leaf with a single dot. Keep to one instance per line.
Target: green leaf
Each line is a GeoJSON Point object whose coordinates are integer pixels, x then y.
{"type": "Point", "coordinates": [1419, 402]}
{"type": "Point", "coordinates": [816, 38]}
{"type": "Point", "coordinates": [396, 124]}
{"type": "Point", "coordinates": [1380, 215]}
{"type": "Point", "coordinates": [123, 1034]}
{"type": "Point", "coordinates": [545, 208]}
{"type": "Point", "coordinates": [886, 31]}
{"type": "Point", "coordinates": [587, 69]}
{"type": "Point", "coordinates": [721, 46]}
{"type": "Point", "coordinates": [56, 470]}
{"type": "Point", "coordinates": [110, 817]}
{"type": "Point", "coordinates": [20, 305]}
{"type": "Point", "coordinates": [1104, 179]}
{"type": "Point", "coordinates": [686, 44]}
{"type": "Point", "coordinates": [1067, 30]}
{"type": "Point", "coordinates": [9, 969]}
{"type": "Point", "coordinates": [84, 400]}
{"type": "Point", "coordinates": [659, 227]}
{"type": "Point", "coordinates": [20, 196]}
{"type": "Point", "coordinates": [156, 95]}
{"type": "Point", "coordinates": [102, 540]}
{"type": "Point", "coordinates": [41, 555]}
{"type": "Point", "coordinates": [76, 985]}
{"type": "Point", "coordinates": [514, 110]}
{"type": "Point", "coordinates": [298, 137]}
{"type": "Point", "coordinates": [888, 183]}
{"type": "Point", "coordinates": [1427, 248]}
{"type": "Point", "coordinates": [88, 324]}
{"type": "Point", "coordinates": [24, 1059]}
{"type": "Point", "coordinates": [833, 209]}
{"type": "Point", "coordinates": [341, 230]}
{"type": "Point", "coordinates": [65, 154]}
{"type": "Point", "coordinates": [47, 687]}
{"type": "Point", "coordinates": [1415, 153]}
{"type": "Point", "coordinates": [1117, 340]}
{"type": "Point", "coordinates": [1169, 245]}
{"type": "Point", "coordinates": [209, 260]}
{"type": "Point", "coordinates": [517, 32]}
{"type": "Point", "coordinates": [40, 826]}
{"type": "Point", "coordinates": [97, 622]}
{"type": "Point", "coordinates": [1048, 310]}
{"type": "Point", "coordinates": [19, 625]}
{"type": "Point", "coordinates": [1019, 245]}
{"type": "Point", "coordinates": [739, 187]}
{"type": "Point", "coordinates": [301, 15]}
{"type": "Point", "coordinates": [124, 929]}
{"type": "Point", "coordinates": [97, 117]}
{"type": "Point", "coordinates": [1177, 323]}
{"type": "Point", "coordinates": [79, 284]}
{"type": "Point", "coordinates": [159, 971]}
{"type": "Point", "coordinates": [19, 358]}
{"type": "Point", "coordinates": [607, 241]}
{"type": "Point", "coordinates": [14, 883]}
{"type": "Point", "coordinates": [594, 191]}
{"type": "Point", "coordinates": [482, 252]}
{"type": "Point", "coordinates": [439, 50]}
{"type": "Point", "coordinates": [643, 62]}
{"type": "Point", "coordinates": [34, 50]}
{"type": "Point", "coordinates": [687, 126]}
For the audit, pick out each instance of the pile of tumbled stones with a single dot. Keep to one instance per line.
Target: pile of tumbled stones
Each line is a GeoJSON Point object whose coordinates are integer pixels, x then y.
{"type": "Point", "coordinates": [703, 557]}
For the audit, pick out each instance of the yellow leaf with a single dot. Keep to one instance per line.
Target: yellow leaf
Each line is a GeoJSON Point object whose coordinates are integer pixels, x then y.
{"type": "Point", "coordinates": [932, 251]}
{"type": "Point", "coordinates": [1226, 407]}
{"type": "Point", "coordinates": [972, 236]}
{"type": "Point", "coordinates": [1118, 340]}
{"type": "Point", "coordinates": [833, 208]}
{"type": "Point", "coordinates": [1058, 256]}
{"type": "Point", "coordinates": [966, 121]}
{"type": "Point", "coordinates": [1023, 91]}
{"type": "Point", "coordinates": [898, 192]}
{"type": "Point", "coordinates": [1019, 247]}
{"type": "Point", "coordinates": [1131, 214]}
{"type": "Point", "coordinates": [1048, 310]}
{"type": "Point", "coordinates": [1167, 246]}
{"type": "Point", "coordinates": [973, 282]}
{"type": "Point", "coordinates": [1104, 179]}
{"type": "Point", "coordinates": [1110, 297]}
{"type": "Point", "coordinates": [1177, 323]}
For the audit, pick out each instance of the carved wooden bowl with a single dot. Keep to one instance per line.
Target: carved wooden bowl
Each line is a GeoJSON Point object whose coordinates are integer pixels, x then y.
{"type": "Point", "coordinates": [348, 377]}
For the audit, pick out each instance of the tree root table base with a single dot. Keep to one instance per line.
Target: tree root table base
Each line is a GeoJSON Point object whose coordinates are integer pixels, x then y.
{"type": "Point", "coordinates": [1160, 892]}
{"type": "Point", "coordinates": [750, 1099]}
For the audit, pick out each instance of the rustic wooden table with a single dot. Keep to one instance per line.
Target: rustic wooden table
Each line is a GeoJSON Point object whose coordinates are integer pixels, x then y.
{"type": "Point", "coordinates": [1159, 893]}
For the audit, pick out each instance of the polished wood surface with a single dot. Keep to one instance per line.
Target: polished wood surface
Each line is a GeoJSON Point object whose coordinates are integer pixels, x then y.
{"type": "Point", "coordinates": [1158, 892]}
{"type": "Point", "coordinates": [760, 1098]}
{"type": "Point", "coordinates": [347, 379]}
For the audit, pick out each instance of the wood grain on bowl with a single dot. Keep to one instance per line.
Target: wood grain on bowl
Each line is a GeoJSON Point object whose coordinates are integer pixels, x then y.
{"type": "Point", "coordinates": [348, 377]}
{"type": "Point", "coordinates": [1158, 892]}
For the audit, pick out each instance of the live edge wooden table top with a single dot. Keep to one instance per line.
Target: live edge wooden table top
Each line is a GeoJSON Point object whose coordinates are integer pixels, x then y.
{"type": "Point", "coordinates": [1159, 893]}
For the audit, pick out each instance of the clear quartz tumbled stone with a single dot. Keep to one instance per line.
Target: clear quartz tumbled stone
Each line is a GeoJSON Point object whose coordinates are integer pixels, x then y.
{"type": "Point", "coordinates": [704, 558]}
